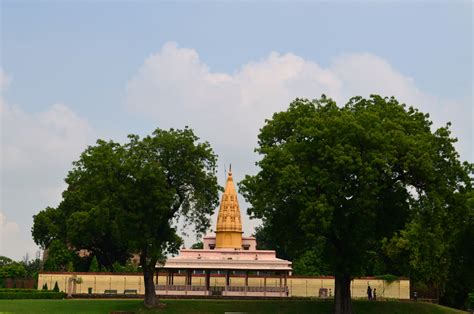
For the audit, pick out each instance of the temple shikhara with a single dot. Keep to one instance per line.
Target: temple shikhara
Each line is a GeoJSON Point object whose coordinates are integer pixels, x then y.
{"type": "Point", "coordinates": [228, 254]}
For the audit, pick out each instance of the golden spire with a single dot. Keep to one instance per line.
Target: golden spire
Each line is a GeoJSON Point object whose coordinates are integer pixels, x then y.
{"type": "Point", "coordinates": [229, 224]}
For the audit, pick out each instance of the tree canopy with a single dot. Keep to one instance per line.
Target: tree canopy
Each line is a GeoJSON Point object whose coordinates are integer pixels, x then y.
{"type": "Point", "coordinates": [125, 199]}
{"type": "Point", "coordinates": [366, 181]}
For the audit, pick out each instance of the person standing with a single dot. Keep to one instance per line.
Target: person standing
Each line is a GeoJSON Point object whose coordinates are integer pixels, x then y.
{"type": "Point", "coordinates": [375, 295]}
{"type": "Point", "coordinates": [369, 293]}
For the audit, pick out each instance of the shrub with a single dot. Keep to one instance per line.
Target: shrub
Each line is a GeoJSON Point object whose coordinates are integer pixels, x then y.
{"type": "Point", "coordinates": [388, 277]}
{"type": "Point", "coordinates": [470, 300]}
{"type": "Point", "coordinates": [117, 268]}
{"type": "Point", "coordinates": [56, 287]}
{"type": "Point", "coordinates": [18, 290]}
{"type": "Point", "coordinates": [38, 294]}
{"type": "Point", "coordinates": [45, 286]}
{"type": "Point", "coordinates": [94, 266]}
{"type": "Point", "coordinates": [70, 267]}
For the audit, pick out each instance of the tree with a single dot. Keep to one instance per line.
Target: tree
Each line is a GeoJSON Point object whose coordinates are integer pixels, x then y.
{"type": "Point", "coordinates": [5, 261]}
{"type": "Point", "coordinates": [32, 267]}
{"type": "Point", "coordinates": [117, 268]}
{"type": "Point", "coordinates": [353, 177]}
{"type": "Point", "coordinates": [56, 287]}
{"type": "Point", "coordinates": [94, 266]}
{"type": "Point", "coordinates": [125, 199]}
{"type": "Point", "coordinates": [58, 257]}
{"type": "Point", "coordinates": [197, 245]}
{"type": "Point", "coordinates": [70, 267]}
{"type": "Point", "coordinates": [13, 270]}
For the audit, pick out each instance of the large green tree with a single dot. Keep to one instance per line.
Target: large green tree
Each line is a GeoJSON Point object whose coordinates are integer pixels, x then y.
{"type": "Point", "coordinates": [353, 181]}
{"type": "Point", "coordinates": [125, 199]}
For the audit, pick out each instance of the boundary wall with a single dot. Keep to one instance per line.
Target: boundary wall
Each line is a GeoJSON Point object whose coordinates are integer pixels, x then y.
{"type": "Point", "coordinates": [298, 286]}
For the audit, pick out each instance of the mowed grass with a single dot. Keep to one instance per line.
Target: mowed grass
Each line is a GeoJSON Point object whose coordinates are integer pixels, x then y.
{"type": "Point", "coordinates": [216, 306]}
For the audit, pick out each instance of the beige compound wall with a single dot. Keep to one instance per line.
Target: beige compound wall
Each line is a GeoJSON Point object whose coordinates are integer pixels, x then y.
{"type": "Point", "coordinates": [298, 286]}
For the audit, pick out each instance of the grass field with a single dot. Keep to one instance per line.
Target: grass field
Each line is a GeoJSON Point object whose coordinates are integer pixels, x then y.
{"type": "Point", "coordinates": [215, 306]}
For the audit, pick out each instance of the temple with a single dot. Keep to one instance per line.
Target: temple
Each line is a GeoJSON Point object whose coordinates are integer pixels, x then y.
{"type": "Point", "coordinates": [233, 261]}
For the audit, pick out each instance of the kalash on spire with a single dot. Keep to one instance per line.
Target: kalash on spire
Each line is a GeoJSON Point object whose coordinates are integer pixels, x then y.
{"type": "Point", "coordinates": [229, 223]}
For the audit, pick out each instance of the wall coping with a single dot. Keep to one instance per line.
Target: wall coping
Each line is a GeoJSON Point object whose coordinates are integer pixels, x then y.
{"type": "Point", "coordinates": [199, 275]}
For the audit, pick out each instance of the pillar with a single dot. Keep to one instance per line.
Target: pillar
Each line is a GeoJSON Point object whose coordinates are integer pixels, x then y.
{"type": "Point", "coordinates": [189, 275]}
{"type": "Point", "coordinates": [264, 283]}
{"type": "Point", "coordinates": [227, 278]}
{"type": "Point", "coordinates": [208, 280]}
{"type": "Point", "coordinates": [281, 282]}
{"type": "Point", "coordinates": [246, 281]}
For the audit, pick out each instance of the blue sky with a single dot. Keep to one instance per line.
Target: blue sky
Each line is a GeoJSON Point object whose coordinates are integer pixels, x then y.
{"type": "Point", "coordinates": [73, 71]}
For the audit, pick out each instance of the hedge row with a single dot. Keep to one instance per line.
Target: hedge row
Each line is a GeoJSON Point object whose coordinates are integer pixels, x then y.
{"type": "Point", "coordinates": [32, 295]}
{"type": "Point", "coordinates": [23, 290]}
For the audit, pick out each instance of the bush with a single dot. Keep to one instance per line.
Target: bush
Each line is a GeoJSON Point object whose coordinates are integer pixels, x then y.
{"type": "Point", "coordinates": [388, 277]}
{"type": "Point", "coordinates": [94, 266]}
{"type": "Point", "coordinates": [45, 287]}
{"type": "Point", "coordinates": [21, 290]}
{"type": "Point", "coordinates": [38, 294]}
{"type": "Point", "coordinates": [117, 268]}
{"type": "Point", "coordinates": [56, 287]}
{"type": "Point", "coordinates": [470, 300]}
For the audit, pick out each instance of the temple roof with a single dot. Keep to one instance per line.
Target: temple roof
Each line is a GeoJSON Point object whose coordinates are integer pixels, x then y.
{"type": "Point", "coordinates": [229, 218]}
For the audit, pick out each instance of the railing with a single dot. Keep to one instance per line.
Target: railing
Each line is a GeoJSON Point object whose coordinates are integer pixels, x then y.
{"type": "Point", "coordinates": [220, 288]}
{"type": "Point", "coordinates": [255, 289]}
{"type": "Point", "coordinates": [180, 288]}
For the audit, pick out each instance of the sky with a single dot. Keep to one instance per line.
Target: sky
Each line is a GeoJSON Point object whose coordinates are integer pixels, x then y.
{"type": "Point", "coordinates": [75, 71]}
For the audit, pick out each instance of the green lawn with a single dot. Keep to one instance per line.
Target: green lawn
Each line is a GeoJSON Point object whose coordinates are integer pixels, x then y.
{"type": "Point", "coordinates": [215, 306]}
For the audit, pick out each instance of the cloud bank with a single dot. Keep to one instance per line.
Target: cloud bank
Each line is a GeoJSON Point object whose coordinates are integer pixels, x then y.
{"type": "Point", "coordinates": [176, 88]}
{"type": "Point", "coordinates": [37, 150]}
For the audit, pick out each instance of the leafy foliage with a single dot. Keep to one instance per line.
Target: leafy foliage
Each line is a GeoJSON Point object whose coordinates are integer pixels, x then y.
{"type": "Point", "coordinates": [367, 181]}
{"type": "Point", "coordinates": [387, 277]}
{"type": "Point", "coordinates": [13, 270]}
{"type": "Point", "coordinates": [94, 266]}
{"type": "Point", "coordinates": [59, 256]}
{"type": "Point", "coordinates": [5, 260]}
{"type": "Point", "coordinates": [197, 245]}
{"type": "Point", "coordinates": [39, 294]}
{"type": "Point", "coordinates": [126, 199]}
{"type": "Point", "coordinates": [310, 263]}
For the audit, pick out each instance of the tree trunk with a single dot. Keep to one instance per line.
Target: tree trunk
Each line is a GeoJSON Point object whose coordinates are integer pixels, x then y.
{"type": "Point", "coordinates": [342, 300]}
{"type": "Point", "coordinates": [150, 295]}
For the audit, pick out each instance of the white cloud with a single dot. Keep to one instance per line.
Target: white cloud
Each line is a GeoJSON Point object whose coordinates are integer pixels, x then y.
{"type": "Point", "coordinates": [37, 150]}
{"type": "Point", "coordinates": [176, 88]}
{"type": "Point", "coordinates": [13, 242]}
{"type": "Point", "coordinates": [4, 80]}
{"type": "Point", "coordinates": [7, 227]}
